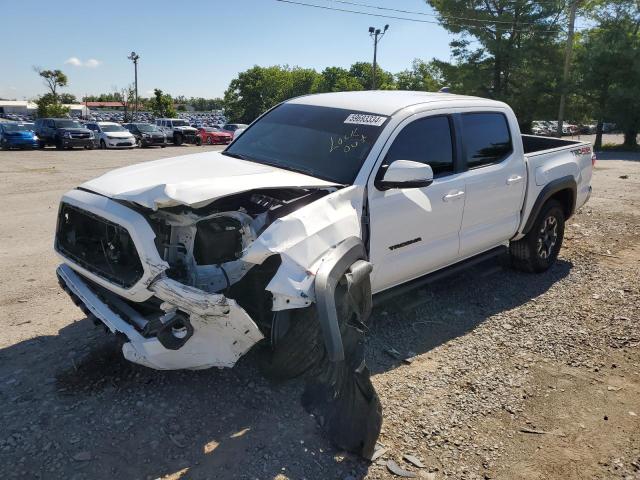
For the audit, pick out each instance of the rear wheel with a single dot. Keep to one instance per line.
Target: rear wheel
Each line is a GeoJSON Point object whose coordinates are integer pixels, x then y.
{"type": "Point", "coordinates": [539, 248]}
{"type": "Point", "coordinates": [59, 144]}
{"type": "Point", "coordinates": [178, 139]}
{"type": "Point", "coordinates": [103, 145]}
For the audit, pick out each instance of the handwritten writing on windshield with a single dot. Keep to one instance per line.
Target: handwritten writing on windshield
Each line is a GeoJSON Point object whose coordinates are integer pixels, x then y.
{"type": "Point", "coordinates": [347, 142]}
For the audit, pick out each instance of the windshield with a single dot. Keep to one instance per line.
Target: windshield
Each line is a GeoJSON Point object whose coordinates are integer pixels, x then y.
{"type": "Point", "coordinates": [180, 123]}
{"type": "Point", "coordinates": [146, 127]}
{"type": "Point", "coordinates": [113, 128]}
{"type": "Point", "coordinates": [12, 127]}
{"type": "Point", "coordinates": [328, 143]}
{"type": "Point", "coordinates": [68, 124]}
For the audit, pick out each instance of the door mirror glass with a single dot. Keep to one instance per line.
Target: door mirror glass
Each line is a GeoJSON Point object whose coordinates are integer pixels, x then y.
{"type": "Point", "coordinates": [406, 174]}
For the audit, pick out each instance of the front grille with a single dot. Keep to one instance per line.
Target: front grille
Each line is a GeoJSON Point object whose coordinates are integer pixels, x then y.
{"type": "Point", "coordinates": [79, 135]}
{"type": "Point", "coordinates": [98, 245]}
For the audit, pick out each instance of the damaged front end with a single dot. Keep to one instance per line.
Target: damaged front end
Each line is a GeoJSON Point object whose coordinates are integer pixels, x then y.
{"type": "Point", "coordinates": [198, 287]}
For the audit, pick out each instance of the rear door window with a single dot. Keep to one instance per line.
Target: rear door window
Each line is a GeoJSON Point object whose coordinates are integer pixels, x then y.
{"type": "Point", "coordinates": [486, 137]}
{"type": "Point", "coordinates": [426, 140]}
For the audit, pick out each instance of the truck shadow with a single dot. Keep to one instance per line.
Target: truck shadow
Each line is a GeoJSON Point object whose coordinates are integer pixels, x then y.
{"type": "Point", "coordinates": [74, 408]}
{"type": "Point", "coordinates": [418, 321]}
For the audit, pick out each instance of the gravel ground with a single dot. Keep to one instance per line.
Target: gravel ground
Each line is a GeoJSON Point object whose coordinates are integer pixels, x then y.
{"type": "Point", "coordinates": [490, 374]}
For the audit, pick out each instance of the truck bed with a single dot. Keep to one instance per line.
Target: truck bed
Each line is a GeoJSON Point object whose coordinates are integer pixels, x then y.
{"type": "Point", "coordinates": [535, 144]}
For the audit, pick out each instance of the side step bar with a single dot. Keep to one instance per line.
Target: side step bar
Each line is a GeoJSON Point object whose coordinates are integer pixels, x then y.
{"type": "Point", "coordinates": [437, 275]}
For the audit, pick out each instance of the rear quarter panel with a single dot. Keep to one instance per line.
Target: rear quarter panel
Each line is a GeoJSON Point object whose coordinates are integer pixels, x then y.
{"type": "Point", "coordinates": [546, 166]}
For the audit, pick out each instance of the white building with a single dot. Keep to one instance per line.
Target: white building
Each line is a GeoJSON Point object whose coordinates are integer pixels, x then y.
{"type": "Point", "coordinates": [24, 107]}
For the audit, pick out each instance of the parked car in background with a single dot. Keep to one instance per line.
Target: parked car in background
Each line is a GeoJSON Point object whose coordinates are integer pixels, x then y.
{"type": "Point", "coordinates": [147, 134]}
{"type": "Point", "coordinates": [17, 135]}
{"type": "Point", "coordinates": [178, 131]}
{"type": "Point", "coordinates": [232, 127]}
{"type": "Point", "coordinates": [63, 133]}
{"type": "Point", "coordinates": [214, 136]}
{"type": "Point", "coordinates": [111, 135]}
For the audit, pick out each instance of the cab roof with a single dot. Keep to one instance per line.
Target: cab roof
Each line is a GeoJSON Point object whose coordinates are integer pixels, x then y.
{"type": "Point", "coordinates": [386, 102]}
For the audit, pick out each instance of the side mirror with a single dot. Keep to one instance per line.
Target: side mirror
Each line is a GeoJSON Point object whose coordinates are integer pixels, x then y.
{"type": "Point", "coordinates": [406, 174]}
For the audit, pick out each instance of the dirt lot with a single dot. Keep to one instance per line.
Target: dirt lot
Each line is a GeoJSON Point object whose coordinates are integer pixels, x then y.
{"type": "Point", "coordinates": [513, 375]}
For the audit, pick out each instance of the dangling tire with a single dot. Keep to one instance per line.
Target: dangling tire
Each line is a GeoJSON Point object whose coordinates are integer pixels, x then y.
{"type": "Point", "coordinates": [538, 250]}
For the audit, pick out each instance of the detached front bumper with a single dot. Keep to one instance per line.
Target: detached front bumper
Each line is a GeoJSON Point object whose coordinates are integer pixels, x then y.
{"type": "Point", "coordinates": [220, 330]}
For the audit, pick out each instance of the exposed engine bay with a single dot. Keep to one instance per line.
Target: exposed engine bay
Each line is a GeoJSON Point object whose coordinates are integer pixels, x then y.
{"type": "Point", "coordinates": [204, 247]}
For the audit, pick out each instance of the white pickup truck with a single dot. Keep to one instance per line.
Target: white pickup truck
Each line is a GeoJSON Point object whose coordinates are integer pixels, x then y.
{"type": "Point", "coordinates": [323, 202]}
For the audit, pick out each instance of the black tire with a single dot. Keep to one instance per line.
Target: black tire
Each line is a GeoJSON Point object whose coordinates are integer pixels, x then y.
{"type": "Point", "coordinates": [209, 141]}
{"type": "Point", "coordinates": [162, 146]}
{"type": "Point", "coordinates": [103, 145]}
{"type": "Point", "coordinates": [178, 139]}
{"type": "Point", "coordinates": [41, 144]}
{"type": "Point", "coordinates": [4, 145]}
{"type": "Point", "coordinates": [538, 250]}
{"type": "Point", "coordinates": [198, 141]}
{"type": "Point", "coordinates": [139, 143]}
{"type": "Point", "coordinates": [59, 144]}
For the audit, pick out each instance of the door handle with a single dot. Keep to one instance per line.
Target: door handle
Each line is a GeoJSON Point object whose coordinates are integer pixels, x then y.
{"type": "Point", "coordinates": [453, 196]}
{"type": "Point", "coordinates": [514, 179]}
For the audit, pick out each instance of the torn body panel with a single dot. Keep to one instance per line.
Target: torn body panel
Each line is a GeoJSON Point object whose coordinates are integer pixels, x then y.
{"type": "Point", "coordinates": [304, 239]}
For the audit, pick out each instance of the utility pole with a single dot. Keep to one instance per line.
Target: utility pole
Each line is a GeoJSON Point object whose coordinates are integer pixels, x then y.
{"type": "Point", "coordinates": [377, 35]}
{"type": "Point", "coordinates": [134, 58]}
{"type": "Point", "coordinates": [567, 64]}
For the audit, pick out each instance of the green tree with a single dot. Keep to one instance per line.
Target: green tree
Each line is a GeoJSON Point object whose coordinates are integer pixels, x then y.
{"type": "Point", "coordinates": [259, 88]}
{"type": "Point", "coordinates": [49, 106]}
{"type": "Point", "coordinates": [501, 30]}
{"type": "Point", "coordinates": [161, 104]}
{"type": "Point", "coordinates": [608, 68]}
{"type": "Point", "coordinates": [422, 76]}
{"type": "Point", "coordinates": [336, 79]}
{"type": "Point", "coordinates": [363, 73]}
{"type": "Point", "coordinates": [67, 98]}
{"type": "Point", "coordinates": [53, 79]}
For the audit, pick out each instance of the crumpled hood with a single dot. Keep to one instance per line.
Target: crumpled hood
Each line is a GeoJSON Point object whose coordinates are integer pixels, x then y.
{"type": "Point", "coordinates": [193, 180]}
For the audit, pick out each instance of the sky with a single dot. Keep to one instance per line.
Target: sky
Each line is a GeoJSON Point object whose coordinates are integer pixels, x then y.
{"type": "Point", "coordinates": [196, 48]}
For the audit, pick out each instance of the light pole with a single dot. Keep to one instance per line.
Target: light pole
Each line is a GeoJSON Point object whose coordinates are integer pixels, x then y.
{"type": "Point", "coordinates": [134, 58]}
{"type": "Point", "coordinates": [377, 35]}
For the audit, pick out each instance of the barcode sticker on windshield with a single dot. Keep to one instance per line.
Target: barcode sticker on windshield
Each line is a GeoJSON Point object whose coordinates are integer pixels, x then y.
{"type": "Point", "coordinates": [364, 119]}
